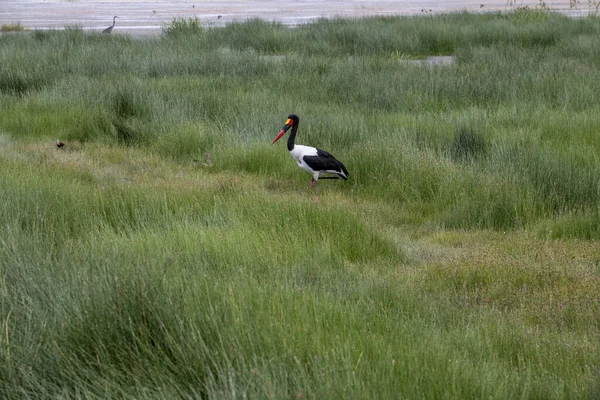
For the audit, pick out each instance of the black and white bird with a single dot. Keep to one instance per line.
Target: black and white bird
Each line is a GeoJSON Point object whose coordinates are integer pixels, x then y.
{"type": "Point", "coordinates": [314, 161]}
{"type": "Point", "coordinates": [110, 28]}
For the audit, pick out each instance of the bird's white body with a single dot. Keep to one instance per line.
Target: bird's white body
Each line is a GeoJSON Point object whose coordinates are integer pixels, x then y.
{"type": "Point", "coordinates": [298, 152]}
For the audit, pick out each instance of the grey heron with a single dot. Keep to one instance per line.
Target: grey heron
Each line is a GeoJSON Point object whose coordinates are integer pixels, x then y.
{"type": "Point", "coordinates": [110, 28]}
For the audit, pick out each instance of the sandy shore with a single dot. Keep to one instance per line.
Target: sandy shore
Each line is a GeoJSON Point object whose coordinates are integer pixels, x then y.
{"type": "Point", "coordinates": [139, 18]}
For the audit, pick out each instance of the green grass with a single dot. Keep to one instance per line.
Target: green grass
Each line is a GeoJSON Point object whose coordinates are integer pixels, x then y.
{"type": "Point", "coordinates": [460, 260]}
{"type": "Point", "coordinates": [12, 27]}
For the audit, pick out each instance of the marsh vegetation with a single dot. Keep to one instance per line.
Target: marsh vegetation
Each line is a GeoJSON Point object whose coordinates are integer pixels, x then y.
{"type": "Point", "coordinates": [459, 261]}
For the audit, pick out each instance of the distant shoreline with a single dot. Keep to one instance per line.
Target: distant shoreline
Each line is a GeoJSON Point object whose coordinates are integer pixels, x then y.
{"type": "Point", "coordinates": [142, 18]}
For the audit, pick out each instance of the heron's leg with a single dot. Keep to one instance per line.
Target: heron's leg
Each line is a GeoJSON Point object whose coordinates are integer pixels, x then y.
{"type": "Point", "coordinates": [316, 191]}
{"type": "Point", "coordinates": [312, 181]}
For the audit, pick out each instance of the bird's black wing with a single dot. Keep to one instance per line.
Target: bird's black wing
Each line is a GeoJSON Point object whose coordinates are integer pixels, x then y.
{"type": "Point", "coordinates": [324, 161]}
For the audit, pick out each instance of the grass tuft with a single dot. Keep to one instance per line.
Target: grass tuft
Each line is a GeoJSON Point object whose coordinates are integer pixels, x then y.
{"type": "Point", "coordinates": [467, 145]}
{"type": "Point", "coordinates": [12, 27]}
{"type": "Point", "coordinates": [183, 27]}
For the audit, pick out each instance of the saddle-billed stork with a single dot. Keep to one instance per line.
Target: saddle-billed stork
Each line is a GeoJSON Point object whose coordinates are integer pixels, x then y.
{"type": "Point", "coordinates": [312, 160]}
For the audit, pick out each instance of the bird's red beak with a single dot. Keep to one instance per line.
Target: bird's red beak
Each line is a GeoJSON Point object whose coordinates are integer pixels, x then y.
{"type": "Point", "coordinates": [288, 125]}
{"type": "Point", "coordinates": [281, 133]}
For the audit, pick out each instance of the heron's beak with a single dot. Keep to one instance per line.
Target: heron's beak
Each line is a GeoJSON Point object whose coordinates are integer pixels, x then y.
{"type": "Point", "coordinates": [288, 125]}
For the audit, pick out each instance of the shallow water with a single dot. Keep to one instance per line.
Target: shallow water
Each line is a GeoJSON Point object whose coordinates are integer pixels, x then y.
{"type": "Point", "coordinates": [139, 18]}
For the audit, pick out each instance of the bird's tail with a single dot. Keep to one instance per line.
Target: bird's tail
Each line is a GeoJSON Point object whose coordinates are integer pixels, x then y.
{"type": "Point", "coordinates": [345, 175]}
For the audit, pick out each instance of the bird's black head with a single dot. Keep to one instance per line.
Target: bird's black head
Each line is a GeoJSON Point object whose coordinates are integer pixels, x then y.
{"type": "Point", "coordinates": [292, 120]}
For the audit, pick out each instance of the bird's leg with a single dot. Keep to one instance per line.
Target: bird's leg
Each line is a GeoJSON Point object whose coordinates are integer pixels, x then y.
{"type": "Point", "coordinates": [312, 181]}
{"type": "Point", "coordinates": [316, 190]}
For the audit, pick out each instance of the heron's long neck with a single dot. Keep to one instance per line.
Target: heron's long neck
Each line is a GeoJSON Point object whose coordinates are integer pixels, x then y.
{"type": "Point", "coordinates": [114, 20]}
{"type": "Point", "coordinates": [292, 137]}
